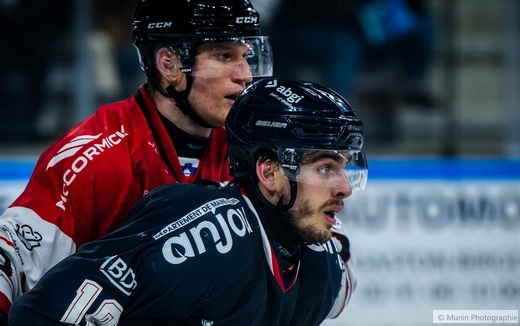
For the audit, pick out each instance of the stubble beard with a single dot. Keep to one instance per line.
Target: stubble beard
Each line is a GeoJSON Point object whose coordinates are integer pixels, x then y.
{"type": "Point", "coordinates": [309, 233]}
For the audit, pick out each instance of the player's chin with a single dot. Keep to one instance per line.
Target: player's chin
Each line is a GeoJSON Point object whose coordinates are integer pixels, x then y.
{"type": "Point", "coordinates": [327, 236]}
{"type": "Point", "coordinates": [218, 120]}
{"type": "Point", "coordinates": [324, 239]}
{"type": "Point", "coordinates": [317, 235]}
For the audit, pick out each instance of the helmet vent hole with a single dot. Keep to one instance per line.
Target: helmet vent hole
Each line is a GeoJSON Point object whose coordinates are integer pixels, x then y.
{"type": "Point", "coordinates": [310, 131]}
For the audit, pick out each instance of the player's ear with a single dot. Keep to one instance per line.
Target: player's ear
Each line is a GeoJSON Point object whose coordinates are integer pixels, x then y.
{"type": "Point", "coordinates": [272, 182]}
{"type": "Point", "coordinates": [265, 171]}
{"type": "Point", "coordinates": [167, 62]}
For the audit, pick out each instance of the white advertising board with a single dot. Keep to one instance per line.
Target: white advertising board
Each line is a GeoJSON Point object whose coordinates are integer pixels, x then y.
{"type": "Point", "coordinates": [423, 244]}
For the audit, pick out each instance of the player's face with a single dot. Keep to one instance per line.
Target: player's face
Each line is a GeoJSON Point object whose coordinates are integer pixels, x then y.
{"type": "Point", "coordinates": [322, 186]}
{"type": "Point", "coordinates": [220, 75]}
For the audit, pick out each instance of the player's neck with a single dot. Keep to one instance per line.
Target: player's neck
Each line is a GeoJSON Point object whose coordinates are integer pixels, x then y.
{"type": "Point", "coordinates": [170, 111]}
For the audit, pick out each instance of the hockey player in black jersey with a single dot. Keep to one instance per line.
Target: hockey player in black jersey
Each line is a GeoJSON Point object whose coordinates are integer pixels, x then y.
{"type": "Point", "coordinates": [258, 251]}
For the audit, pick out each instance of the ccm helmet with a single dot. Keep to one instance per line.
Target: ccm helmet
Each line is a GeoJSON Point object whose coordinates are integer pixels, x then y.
{"type": "Point", "coordinates": [185, 24]}
{"type": "Point", "coordinates": [291, 118]}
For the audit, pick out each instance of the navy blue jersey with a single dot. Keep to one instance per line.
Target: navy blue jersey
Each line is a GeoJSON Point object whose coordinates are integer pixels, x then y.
{"type": "Point", "coordinates": [187, 255]}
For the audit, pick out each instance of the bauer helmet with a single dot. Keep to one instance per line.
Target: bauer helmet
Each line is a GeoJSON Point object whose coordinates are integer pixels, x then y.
{"type": "Point", "coordinates": [183, 25]}
{"type": "Point", "coordinates": [294, 119]}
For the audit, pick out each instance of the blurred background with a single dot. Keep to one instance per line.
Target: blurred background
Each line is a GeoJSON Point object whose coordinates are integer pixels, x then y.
{"type": "Point", "coordinates": [437, 83]}
{"type": "Point", "coordinates": [429, 77]}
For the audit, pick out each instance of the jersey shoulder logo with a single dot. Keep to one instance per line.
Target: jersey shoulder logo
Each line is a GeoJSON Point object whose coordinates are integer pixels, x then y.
{"type": "Point", "coordinates": [119, 274]}
{"type": "Point", "coordinates": [71, 148]}
{"type": "Point", "coordinates": [28, 236]}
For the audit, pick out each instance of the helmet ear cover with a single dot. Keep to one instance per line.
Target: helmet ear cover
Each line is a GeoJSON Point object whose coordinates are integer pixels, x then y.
{"type": "Point", "coordinates": [185, 50]}
{"type": "Point", "coordinates": [290, 160]}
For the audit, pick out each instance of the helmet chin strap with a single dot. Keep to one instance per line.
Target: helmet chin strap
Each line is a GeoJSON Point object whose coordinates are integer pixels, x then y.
{"type": "Point", "coordinates": [181, 100]}
{"type": "Point", "coordinates": [285, 207]}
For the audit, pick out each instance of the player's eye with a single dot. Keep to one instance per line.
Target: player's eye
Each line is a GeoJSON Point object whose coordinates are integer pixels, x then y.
{"type": "Point", "coordinates": [325, 170]}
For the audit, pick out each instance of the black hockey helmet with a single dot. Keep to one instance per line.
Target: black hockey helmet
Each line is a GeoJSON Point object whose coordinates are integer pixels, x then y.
{"type": "Point", "coordinates": [289, 118]}
{"type": "Point", "coordinates": [185, 24]}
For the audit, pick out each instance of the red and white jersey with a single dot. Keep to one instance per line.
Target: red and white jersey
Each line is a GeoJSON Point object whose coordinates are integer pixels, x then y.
{"type": "Point", "coordinates": [84, 185]}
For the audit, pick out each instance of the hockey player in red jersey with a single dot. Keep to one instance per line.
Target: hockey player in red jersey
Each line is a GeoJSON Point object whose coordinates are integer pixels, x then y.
{"type": "Point", "coordinates": [197, 57]}
{"type": "Point", "coordinates": [256, 252]}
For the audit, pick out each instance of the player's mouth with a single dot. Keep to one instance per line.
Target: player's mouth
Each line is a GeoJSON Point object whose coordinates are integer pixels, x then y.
{"type": "Point", "coordinates": [331, 216]}
{"type": "Point", "coordinates": [331, 210]}
{"type": "Point", "coordinates": [232, 97]}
